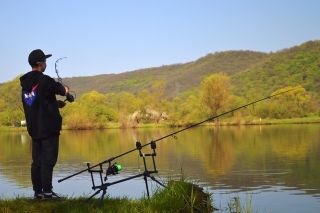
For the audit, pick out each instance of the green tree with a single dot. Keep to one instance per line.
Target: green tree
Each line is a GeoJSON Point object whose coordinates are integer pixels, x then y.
{"type": "Point", "coordinates": [90, 111]}
{"type": "Point", "coordinates": [298, 97]}
{"type": "Point", "coordinates": [295, 103]}
{"type": "Point", "coordinates": [192, 111]}
{"type": "Point", "coordinates": [145, 99]}
{"type": "Point", "coordinates": [215, 91]}
{"type": "Point", "coordinates": [157, 92]}
{"type": "Point", "coordinates": [11, 109]}
{"type": "Point", "coordinates": [96, 108]}
{"type": "Point", "coordinates": [124, 103]}
{"type": "Point", "coordinates": [93, 97]}
{"type": "Point", "coordinates": [76, 116]}
{"type": "Point", "coordinates": [153, 99]}
{"type": "Point", "coordinates": [173, 111]}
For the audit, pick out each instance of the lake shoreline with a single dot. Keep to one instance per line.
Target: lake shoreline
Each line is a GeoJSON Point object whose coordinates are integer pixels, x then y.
{"type": "Point", "coordinates": [225, 122]}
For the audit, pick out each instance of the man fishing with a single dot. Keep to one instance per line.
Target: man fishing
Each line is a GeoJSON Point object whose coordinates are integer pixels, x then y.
{"type": "Point", "coordinates": [43, 122]}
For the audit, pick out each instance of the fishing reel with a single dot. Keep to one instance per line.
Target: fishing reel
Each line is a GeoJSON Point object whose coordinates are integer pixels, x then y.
{"type": "Point", "coordinates": [113, 170]}
{"type": "Point", "coordinates": [70, 98]}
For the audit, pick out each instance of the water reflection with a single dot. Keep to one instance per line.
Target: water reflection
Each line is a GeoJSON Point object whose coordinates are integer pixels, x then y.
{"type": "Point", "coordinates": [273, 161]}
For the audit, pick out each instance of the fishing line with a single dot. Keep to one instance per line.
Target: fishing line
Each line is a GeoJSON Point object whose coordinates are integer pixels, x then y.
{"type": "Point", "coordinates": [70, 97]}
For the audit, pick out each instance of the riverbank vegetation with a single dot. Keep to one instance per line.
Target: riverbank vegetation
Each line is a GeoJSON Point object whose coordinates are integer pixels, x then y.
{"type": "Point", "coordinates": [213, 85]}
{"type": "Point", "coordinates": [148, 108]}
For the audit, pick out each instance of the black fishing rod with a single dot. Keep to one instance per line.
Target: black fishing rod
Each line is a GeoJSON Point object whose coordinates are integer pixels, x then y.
{"type": "Point", "coordinates": [70, 97]}
{"type": "Point", "coordinates": [139, 146]}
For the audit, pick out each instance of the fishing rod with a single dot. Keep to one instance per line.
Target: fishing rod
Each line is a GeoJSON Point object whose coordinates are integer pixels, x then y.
{"type": "Point", "coordinates": [70, 97]}
{"type": "Point", "coordinates": [153, 142]}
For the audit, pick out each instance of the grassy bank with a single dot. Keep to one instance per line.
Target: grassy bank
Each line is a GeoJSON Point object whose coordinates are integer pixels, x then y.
{"type": "Point", "coordinates": [178, 196]}
{"type": "Point", "coordinates": [77, 205]}
{"type": "Point", "coordinates": [222, 122]}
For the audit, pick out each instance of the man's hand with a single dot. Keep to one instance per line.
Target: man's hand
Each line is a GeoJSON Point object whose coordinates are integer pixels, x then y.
{"type": "Point", "coordinates": [61, 104]}
{"type": "Point", "coordinates": [66, 88]}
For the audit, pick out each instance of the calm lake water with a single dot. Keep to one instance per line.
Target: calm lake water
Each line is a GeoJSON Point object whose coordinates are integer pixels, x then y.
{"type": "Point", "coordinates": [277, 167]}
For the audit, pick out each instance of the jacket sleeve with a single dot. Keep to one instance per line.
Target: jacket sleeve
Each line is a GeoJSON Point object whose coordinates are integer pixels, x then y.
{"type": "Point", "coordinates": [56, 88]}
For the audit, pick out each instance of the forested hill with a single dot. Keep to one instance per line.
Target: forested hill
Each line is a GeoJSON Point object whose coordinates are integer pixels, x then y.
{"type": "Point", "coordinates": [178, 77]}
{"type": "Point", "coordinates": [299, 65]}
{"type": "Point", "coordinates": [251, 73]}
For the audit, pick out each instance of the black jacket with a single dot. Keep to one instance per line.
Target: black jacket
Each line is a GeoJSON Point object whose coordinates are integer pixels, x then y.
{"type": "Point", "coordinates": [40, 104]}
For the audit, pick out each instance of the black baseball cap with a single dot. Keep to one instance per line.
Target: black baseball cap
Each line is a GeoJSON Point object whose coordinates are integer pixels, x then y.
{"type": "Point", "coordinates": [37, 56]}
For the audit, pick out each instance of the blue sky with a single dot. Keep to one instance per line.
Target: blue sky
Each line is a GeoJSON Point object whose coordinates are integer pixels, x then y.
{"type": "Point", "coordinates": [103, 36]}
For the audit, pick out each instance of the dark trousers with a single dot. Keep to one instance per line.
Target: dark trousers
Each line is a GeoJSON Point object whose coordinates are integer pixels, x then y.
{"type": "Point", "coordinates": [44, 156]}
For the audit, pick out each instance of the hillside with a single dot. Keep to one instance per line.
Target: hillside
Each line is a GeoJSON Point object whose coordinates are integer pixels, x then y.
{"type": "Point", "coordinates": [179, 77]}
{"type": "Point", "coordinates": [299, 65]}
{"type": "Point", "coordinates": [251, 72]}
